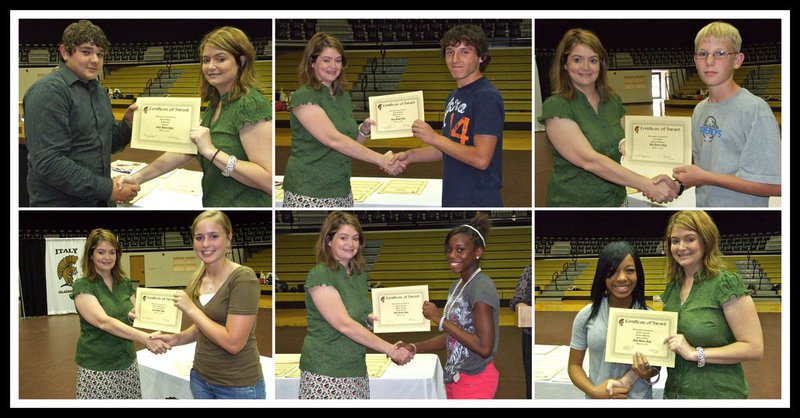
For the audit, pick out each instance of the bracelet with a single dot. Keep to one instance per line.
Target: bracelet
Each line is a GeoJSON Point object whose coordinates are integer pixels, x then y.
{"type": "Point", "coordinates": [681, 189]}
{"type": "Point", "coordinates": [365, 135]}
{"type": "Point", "coordinates": [653, 382]}
{"type": "Point", "coordinates": [701, 357]}
{"type": "Point", "coordinates": [215, 155]}
{"type": "Point", "coordinates": [414, 347]}
{"type": "Point", "coordinates": [230, 166]}
{"type": "Point", "coordinates": [441, 323]}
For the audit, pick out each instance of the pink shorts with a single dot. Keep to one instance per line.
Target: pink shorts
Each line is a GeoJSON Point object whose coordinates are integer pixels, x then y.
{"type": "Point", "coordinates": [477, 386]}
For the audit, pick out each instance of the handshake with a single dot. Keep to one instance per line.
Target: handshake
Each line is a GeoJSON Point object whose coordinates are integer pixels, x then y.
{"type": "Point", "coordinates": [402, 353]}
{"type": "Point", "coordinates": [124, 188]}
{"type": "Point", "coordinates": [394, 164]}
{"type": "Point", "coordinates": [156, 342]}
{"type": "Point", "coordinates": [663, 189]}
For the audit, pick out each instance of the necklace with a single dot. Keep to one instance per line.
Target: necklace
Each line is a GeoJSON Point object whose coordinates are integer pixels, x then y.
{"type": "Point", "coordinates": [448, 307]}
{"type": "Point", "coordinates": [211, 285]}
{"type": "Point", "coordinates": [451, 301]}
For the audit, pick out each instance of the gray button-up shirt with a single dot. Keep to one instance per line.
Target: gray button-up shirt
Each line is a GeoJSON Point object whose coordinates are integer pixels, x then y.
{"type": "Point", "coordinates": [70, 133]}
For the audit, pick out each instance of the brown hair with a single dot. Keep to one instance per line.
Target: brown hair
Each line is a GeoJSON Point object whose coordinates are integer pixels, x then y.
{"type": "Point", "coordinates": [330, 227]}
{"type": "Point", "coordinates": [235, 42]}
{"type": "Point", "coordinates": [318, 43]}
{"type": "Point", "coordinates": [700, 222]}
{"type": "Point", "coordinates": [81, 32]}
{"type": "Point", "coordinates": [193, 289]}
{"type": "Point", "coordinates": [559, 77]}
{"type": "Point", "coordinates": [92, 241]}
{"type": "Point", "coordinates": [468, 35]}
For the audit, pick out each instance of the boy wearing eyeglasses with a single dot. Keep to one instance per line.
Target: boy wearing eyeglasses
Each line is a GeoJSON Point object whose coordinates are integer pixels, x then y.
{"type": "Point", "coordinates": [736, 142]}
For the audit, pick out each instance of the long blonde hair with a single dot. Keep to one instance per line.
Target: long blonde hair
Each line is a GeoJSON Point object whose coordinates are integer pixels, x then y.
{"type": "Point", "coordinates": [220, 218]}
{"type": "Point", "coordinates": [700, 222]}
{"type": "Point", "coordinates": [235, 42]}
{"type": "Point", "coordinates": [92, 241]}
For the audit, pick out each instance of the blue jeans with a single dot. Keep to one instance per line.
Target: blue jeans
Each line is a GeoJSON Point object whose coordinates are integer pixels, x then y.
{"type": "Point", "coordinates": [204, 390]}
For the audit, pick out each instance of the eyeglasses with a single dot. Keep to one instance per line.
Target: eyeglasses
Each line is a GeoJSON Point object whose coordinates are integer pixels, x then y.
{"type": "Point", "coordinates": [702, 55]}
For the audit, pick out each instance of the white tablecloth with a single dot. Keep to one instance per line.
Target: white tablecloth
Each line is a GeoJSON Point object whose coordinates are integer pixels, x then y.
{"type": "Point", "coordinates": [551, 379]}
{"type": "Point", "coordinates": [178, 189]}
{"type": "Point", "coordinates": [167, 375]}
{"type": "Point", "coordinates": [421, 378]}
{"type": "Point", "coordinates": [431, 196]}
{"type": "Point", "coordinates": [685, 200]}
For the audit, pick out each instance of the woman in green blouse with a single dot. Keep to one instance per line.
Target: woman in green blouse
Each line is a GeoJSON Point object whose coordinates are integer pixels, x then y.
{"type": "Point", "coordinates": [324, 133]}
{"type": "Point", "coordinates": [718, 326]}
{"type": "Point", "coordinates": [333, 360]}
{"type": "Point", "coordinates": [104, 298]}
{"type": "Point", "coordinates": [583, 120]}
{"type": "Point", "coordinates": [234, 141]}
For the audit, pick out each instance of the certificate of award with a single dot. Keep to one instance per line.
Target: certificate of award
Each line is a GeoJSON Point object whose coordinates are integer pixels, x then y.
{"type": "Point", "coordinates": [524, 316]}
{"type": "Point", "coordinates": [377, 364]}
{"type": "Point", "coordinates": [399, 309]}
{"type": "Point", "coordinates": [632, 330]}
{"type": "Point", "coordinates": [362, 189]}
{"type": "Point", "coordinates": [163, 123]}
{"type": "Point", "coordinates": [155, 310]}
{"type": "Point", "coordinates": [656, 145]}
{"type": "Point", "coordinates": [403, 187]}
{"type": "Point", "coordinates": [394, 113]}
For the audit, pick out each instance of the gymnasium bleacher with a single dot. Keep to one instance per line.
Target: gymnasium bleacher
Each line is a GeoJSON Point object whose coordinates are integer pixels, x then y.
{"type": "Point", "coordinates": [565, 267]}
{"type": "Point", "coordinates": [150, 68]}
{"type": "Point", "coordinates": [411, 64]}
{"type": "Point", "coordinates": [408, 251]}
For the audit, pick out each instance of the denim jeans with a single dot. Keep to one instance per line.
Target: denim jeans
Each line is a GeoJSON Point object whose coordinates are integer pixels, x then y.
{"type": "Point", "coordinates": [204, 390]}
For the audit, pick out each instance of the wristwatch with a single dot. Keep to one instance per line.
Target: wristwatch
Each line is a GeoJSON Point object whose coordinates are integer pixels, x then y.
{"type": "Point", "coordinates": [701, 357]}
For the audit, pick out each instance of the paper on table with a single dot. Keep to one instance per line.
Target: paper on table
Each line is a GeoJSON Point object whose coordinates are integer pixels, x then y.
{"type": "Point", "coordinates": [145, 189]}
{"type": "Point", "coordinates": [541, 349]}
{"type": "Point", "coordinates": [403, 187]}
{"type": "Point", "coordinates": [377, 364]}
{"type": "Point", "coordinates": [285, 369]}
{"type": "Point", "coordinates": [363, 189]}
{"type": "Point", "coordinates": [277, 192]}
{"type": "Point", "coordinates": [181, 181]}
{"type": "Point", "coordinates": [542, 372]}
{"type": "Point", "coordinates": [562, 376]}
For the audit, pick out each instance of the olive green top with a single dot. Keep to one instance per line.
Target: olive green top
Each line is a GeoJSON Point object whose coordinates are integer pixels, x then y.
{"type": "Point", "coordinates": [702, 321]}
{"type": "Point", "coordinates": [569, 184]}
{"type": "Point", "coordinates": [326, 351]}
{"type": "Point", "coordinates": [97, 349]}
{"type": "Point", "coordinates": [238, 295]}
{"type": "Point", "coordinates": [314, 169]}
{"type": "Point", "coordinates": [218, 190]}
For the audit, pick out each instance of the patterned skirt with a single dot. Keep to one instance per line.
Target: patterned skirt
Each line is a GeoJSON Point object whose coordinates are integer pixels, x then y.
{"type": "Point", "coordinates": [317, 386]}
{"type": "Point", "coordinates": [109, 384]}
{"type": "Point", "coordinates": [293, 200]}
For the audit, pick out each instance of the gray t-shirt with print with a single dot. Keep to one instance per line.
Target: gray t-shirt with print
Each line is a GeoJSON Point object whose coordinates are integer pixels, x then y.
{"type": "Point", "coordinates": [460, 359]}
{"type": "Point", "coordinates": [738, 136]}
{"type": "Point", "coordinates": [591, 336]}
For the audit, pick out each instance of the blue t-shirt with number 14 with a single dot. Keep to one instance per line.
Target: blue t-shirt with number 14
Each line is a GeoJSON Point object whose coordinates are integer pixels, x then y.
{"type": "Point", "coordinates": [475, 109]}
